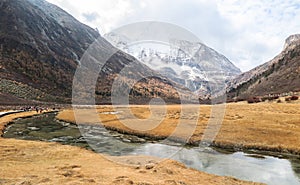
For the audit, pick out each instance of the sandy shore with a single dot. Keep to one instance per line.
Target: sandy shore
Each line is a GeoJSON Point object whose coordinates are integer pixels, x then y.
{"type": "Point", "coordinates": [264, 126]}
{"type": "Point", "coordinates": [29, 162]}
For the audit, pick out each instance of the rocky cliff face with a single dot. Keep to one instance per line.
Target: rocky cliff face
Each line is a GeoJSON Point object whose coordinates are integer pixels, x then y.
{"type": "Point", "coordinates": [194, 65]}
{"type": "Point", "coordinates": [41, 46]}
{"type": "Point", "coordinates": [280, 75]}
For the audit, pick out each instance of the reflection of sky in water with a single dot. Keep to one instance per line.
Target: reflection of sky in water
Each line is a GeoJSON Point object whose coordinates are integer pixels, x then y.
{"type": "Point", "coordinates": [268, 170]}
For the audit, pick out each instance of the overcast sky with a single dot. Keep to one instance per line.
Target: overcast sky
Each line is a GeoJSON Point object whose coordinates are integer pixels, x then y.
{"type": "Point", "coordinates": [248, 32]}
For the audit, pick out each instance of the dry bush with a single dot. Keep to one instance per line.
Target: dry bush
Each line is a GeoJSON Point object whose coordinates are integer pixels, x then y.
{"type": "Point", "coordinates": [293, 98]}
{"type": "Point", "coordinates": [240, 99]}
{"type": "Point", "coordinates": [270, 98]}
{"type": "Point", "coordinates": [253, 100]}
{"type": "Point", "coordinates": [274, 98]}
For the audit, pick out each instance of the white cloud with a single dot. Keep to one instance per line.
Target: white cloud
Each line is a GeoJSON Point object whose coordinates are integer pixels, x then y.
{"type": "Point", "coordinates": [109, 13]}
{"type": "Point", "coordinates": [261, 27]}
{"type": "Point", "coordinates": [248, 32]}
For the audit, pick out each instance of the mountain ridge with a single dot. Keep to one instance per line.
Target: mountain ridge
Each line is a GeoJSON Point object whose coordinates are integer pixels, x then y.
{"type": "Point", "coordinates": [41, 46]}
{"type": "Point", "coordinates": [191, 64]}
{"type": "Point", "coordinates": [276, 76]}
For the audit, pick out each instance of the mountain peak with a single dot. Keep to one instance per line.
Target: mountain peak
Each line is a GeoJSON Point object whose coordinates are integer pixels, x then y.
{"type": "Point", "coordinates": [41, 46]}
{"type": "Point", "coordinates": [292, 40]}
{"type": "Point", "coordinates": [191, 64]}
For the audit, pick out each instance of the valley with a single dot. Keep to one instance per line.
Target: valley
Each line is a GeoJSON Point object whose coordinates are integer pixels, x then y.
{"type": "Point", "coordinates": [79, 106]}
{"type": "Point", "coordinates": [32, 162]}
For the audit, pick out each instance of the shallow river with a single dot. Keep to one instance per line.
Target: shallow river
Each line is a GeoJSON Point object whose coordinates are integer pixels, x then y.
{"type": "Point", "coordinates": [250, 166]}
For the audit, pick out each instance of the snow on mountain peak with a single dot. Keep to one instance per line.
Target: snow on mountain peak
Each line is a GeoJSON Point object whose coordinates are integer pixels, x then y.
{"type": "Point", "coordinates": [193, 65]}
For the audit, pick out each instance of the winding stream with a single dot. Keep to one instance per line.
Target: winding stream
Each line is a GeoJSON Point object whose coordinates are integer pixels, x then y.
{"type": "Point", "coordinates": [247, 166]}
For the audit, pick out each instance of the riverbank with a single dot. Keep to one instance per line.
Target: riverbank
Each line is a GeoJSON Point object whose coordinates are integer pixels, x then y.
{"type": "Point", "coordinates": [9, 116]}
{"type": "Point", "coordinates": [29, 162]}
{"type": "Point", "coordinates": [271, 127]}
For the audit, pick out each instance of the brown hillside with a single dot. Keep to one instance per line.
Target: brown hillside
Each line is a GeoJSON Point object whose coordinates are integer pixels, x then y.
{"type": "Point", "coordinates": [280, 75]}
{"type": "Point", "coordinates": [41, 46]}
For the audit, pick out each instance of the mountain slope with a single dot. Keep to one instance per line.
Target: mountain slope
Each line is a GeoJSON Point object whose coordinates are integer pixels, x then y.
{"type": "Point", "coordinates": [280, 75]}
{"type": "Point", "coordinates": [36, 49]}
{"type": "Point", "coordinates": [41, 46]}
{"type": "Point", "coordinates": [193, 65]}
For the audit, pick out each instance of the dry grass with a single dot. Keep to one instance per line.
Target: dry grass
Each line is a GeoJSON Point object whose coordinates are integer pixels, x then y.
{"type": "Point", "coordinates": [264, 126]}
{"type": "Point", "coordinates": [162, 121]}
{"type": "Point", "coordinates": [29, 162]}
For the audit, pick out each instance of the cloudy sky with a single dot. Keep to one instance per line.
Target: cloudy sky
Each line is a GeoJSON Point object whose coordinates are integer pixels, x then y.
{"type": "Point", "coordinates": [248, 32]}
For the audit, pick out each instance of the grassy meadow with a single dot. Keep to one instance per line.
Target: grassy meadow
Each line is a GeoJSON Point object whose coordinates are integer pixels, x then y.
{"type": "Point", "coordinates": [262, 126]}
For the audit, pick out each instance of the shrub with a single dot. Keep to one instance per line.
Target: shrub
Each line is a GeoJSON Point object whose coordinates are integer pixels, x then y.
{"type": "Point", "coordinates": [271, 98]}
{"type": "Point", "coordinates": [288, 99]}
{"type": "Point", "coordinates": [250, 100]}
{"type": "Point", "coordinates": [230, 101]}
{"type": "Point", "coordinates": [279, 101]}
{"type": "Point", "coordinates": [240, 99]}
{"type": "Point", "coordinates": [254, 100]}
{"type": "Point", "coordinates": [294, 98]}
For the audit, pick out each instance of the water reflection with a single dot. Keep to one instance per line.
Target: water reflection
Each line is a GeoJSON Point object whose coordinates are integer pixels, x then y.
{"type": "Point", "coordinates": [270, 170]}
{"type": "Point", "coordinates": [252, 167]}
{"type": "Point", "coordinates": [296, 166]}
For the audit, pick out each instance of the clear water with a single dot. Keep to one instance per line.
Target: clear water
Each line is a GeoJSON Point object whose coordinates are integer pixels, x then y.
{"type": "Point", "coordinates": [253, 167]}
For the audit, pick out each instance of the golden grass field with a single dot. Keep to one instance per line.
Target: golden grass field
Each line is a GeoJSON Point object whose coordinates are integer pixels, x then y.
{"type": "Point", "coordinates": [31, 162]}
{"type": "Point", "coordinates": [263, 126]}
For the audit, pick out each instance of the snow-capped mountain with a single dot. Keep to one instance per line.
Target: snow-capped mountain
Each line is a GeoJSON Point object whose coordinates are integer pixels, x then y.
{"type": "Point", "coordinates": [194, 65]}
{"type": "Point", "coordinates": [40, 49]}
